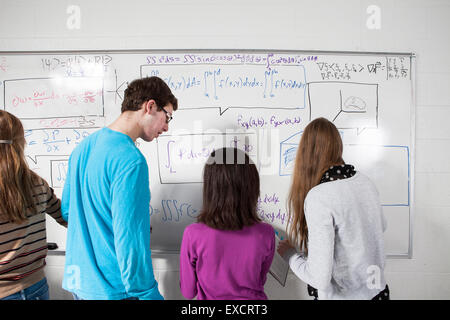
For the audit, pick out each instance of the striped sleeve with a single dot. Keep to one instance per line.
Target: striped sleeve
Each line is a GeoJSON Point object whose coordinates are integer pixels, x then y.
{"type": "Point", "coordinates": [49, 202]}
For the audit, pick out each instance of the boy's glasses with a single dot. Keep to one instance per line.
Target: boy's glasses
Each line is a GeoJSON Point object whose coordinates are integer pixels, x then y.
{"type": "Point", "coordinates": [168, 115]}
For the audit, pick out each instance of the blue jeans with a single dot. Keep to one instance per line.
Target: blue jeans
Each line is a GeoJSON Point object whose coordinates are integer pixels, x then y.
{"type": "Point", "coordinates": [38, 291]}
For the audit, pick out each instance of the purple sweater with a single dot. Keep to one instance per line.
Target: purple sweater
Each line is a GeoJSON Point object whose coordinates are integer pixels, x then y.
{"type": "Point", "coordinates": [226, 265]}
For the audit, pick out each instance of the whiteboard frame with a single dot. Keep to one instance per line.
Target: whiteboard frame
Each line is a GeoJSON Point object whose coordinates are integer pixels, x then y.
{"type": "Point", "coordinates": [140, 51]}
{"type": "Point", "coordinates": [411, 55]}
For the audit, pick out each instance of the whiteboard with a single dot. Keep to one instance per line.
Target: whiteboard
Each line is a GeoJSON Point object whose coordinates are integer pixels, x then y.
{"type": "Point", "coordinates": [259, 101]}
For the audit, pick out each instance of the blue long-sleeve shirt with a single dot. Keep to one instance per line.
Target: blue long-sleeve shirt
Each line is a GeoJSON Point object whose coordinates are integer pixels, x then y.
{"type": "Point", "coordinates": [106, 201]}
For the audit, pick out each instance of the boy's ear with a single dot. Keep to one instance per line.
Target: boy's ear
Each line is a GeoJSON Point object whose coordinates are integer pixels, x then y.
{"type": "Point", "coordinates": [150, 106]}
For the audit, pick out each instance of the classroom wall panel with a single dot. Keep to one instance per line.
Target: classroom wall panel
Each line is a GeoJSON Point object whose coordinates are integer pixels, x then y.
{"type": "Point", "coordinates": [423, 286]}
{"type": "Point", "coordinates": [436, 52]}
{"type": "Point", "coordinates": [434, 238]}
{"type": "Point", "coordinates": [433, 189]}
{"type": "Point", "coordinates": [433, 89]}
{"type": "Point", "coordinates": [431, 156]}
{"type": "Point", "coordinates": [432, 123]}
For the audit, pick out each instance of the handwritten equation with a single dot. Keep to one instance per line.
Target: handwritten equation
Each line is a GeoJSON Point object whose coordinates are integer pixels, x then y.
{"type": "Point", "coordinates": [173, 210]}
{"type": "Point", "coordinates": [268, 209]}
{"type": "Point", "coordinates": [268, 60]}
{"type": "Point", "coordinates": [398, 68]}
{"type": "Point", "coordinates": [274, 121]}
{"type": "Point", "coordinates": [77, 65]}
{"type": "Point", "coordinates": [54, 141]}
{"type": "Point", "coordinates": [54, 97]}
{"type": "Point", "coordinates": [39, 98]}
{"type": "Point", "coordinates": [181, 158]}
{"type": "Point", "coordinates": [392, 67]}
{"type": "Point", "coordinates": [233, 85]}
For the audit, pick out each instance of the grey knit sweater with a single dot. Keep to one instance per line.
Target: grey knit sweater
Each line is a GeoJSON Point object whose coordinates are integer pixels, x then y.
{"type": "Point", "coordinates": [345, 240]}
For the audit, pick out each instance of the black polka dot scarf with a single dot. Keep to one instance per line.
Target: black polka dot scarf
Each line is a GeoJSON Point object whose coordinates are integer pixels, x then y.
{"type": "Point", "coordinates": [339, 172]}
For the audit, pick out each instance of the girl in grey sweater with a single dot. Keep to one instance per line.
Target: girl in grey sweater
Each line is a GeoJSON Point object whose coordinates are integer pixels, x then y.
{"type": "Point", "coordinates": [337, 221]}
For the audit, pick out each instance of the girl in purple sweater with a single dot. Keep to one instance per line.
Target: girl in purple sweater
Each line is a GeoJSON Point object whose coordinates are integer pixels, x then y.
{"type": "Point", "coordinates": [227, 254]}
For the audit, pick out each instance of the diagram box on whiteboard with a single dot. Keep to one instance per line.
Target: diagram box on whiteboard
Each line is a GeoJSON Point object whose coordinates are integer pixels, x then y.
{"type": "Point", "coordinates": [288, 152]}
{"type": "Point", "coordinates": [387, 166]}
{"type": "Point", "coordinates": [233, 85]}
{"type": "Point", "coordinates": [58, 172]}
{"type": "Point", "coordinates": [181, 158]}
{"type": "Point", "coordinates": [40, 98]}
{"type": "Point", "coordinates": [347, 104]}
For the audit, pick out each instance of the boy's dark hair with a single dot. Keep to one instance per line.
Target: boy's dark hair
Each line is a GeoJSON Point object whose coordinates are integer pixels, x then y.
{"type": "Point", "coordinates": [142, 90]}
{"type": "Point", "coordinates": [230, 190]}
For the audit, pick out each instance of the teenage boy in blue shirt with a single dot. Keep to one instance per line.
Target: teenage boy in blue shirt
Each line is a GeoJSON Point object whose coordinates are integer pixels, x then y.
{"type": "Point", "coordinates": [106, 201]}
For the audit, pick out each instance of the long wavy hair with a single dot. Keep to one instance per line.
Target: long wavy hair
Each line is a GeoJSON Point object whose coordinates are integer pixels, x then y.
{"type": "Point", "coordinates": [320, 148]}
{"type": "Point", "coordinates": [16, 179]}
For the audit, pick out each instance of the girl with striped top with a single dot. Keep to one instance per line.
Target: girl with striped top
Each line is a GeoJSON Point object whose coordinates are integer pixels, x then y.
{"type": "Point", "coordinates": [24, 199]}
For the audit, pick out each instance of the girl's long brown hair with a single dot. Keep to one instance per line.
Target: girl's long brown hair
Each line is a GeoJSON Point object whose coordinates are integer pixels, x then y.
{"type": "Point", "coordinates": [230, 190]}
{"type": "Point", "coordinates": [320, 148]}
{"type": "Point", "coordinates": [16, 179]}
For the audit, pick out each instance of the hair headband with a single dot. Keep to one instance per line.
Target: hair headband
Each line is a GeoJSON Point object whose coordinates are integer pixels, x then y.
{"type": "Point", "coordinates": [6, 141]}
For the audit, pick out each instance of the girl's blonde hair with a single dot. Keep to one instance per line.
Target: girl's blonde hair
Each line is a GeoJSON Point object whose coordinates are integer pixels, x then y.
{"type": "Point", "coordinates": [16, 179]}
{"type": "Point", "coordinates": [320, 148]}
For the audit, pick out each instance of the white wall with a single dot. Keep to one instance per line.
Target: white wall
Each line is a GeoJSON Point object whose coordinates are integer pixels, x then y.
{"type": "Point", "coordinates": [419, 26]}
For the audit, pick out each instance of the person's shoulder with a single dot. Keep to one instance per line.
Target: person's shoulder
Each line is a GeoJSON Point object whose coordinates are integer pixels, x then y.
{"type": "Point", "coordinates": [264, 227]}
{"type": "Point", "coordinates": [361, 177]}
{"type": "Point", "coordinates": [106, 138]}
{"type": "Point", "coordinates": [363, 180]}
{"type": "Point", "coordinates": [196, 226]}
{"type": "Point", "coordinates": [37, 181]}
{"type": "Point", "coordinates": [331, 187]}
{"type": "Point", "coordinates": [130, 158]}
{"type": "Point", "coordinates": [326, 194]}
{"type": "Point", "coordinates": [84, 144]}
{"type": "Point", "coordinates": [358, 180]}
{"type": "Point", "coordinates": [196, 229]}
{"type": "Point", "coordinates": [121, 148]}
{"type": "Point", "coordinates": [93, 136]}
{"type": "Point", "coordinates": [323, 188]}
